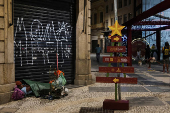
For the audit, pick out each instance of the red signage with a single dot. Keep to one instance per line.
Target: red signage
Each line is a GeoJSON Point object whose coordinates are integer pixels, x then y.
{"type": "Point", "coordinates": [116, 49]}
{"type": "Point", "coordinates": [116, 39]}
{"type": "Point", "coordinates": [116, 59]}
{"type": "Point", "coordinates": [116, 80]}
{"type": "Point", "coordinates": [116, 69]}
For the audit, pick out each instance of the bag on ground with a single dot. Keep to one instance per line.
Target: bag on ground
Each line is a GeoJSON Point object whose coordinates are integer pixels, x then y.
{"type": "Point", "coordinates": [17, 94]}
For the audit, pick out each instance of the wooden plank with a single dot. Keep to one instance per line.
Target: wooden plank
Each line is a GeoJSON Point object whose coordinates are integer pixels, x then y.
{"type": "Point", "coordinates": [116, 59]}
{"type": "Point", "coordinates": [119, 80]}
{"type": "Point", "coordinates": [116, 39]}
{"type": "Point", "coordinates": [116, 69]}
{"type": "Point", "coordinates": [116, 49]}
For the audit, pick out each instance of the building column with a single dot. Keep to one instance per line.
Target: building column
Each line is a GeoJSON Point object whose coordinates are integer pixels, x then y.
{"type": "Point", "coordinates": [158, 43]}
{"type": "Point", "coordinates": [83, 62]}
{"type": "Point", "coordinates": [7, 70]}
{"type": "Point", "coordinates": [129, 44]}
{"type": "Point", "coordinates": [103, 45]}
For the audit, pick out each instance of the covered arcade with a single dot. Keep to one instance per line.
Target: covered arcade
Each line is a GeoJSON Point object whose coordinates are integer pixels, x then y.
{"type": "Point", "coordinates": [153, 22]}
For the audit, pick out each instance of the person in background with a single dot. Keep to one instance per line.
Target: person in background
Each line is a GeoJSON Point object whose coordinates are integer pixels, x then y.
{"type": "Point", "coordinates": [165, 51]}
{"type": "Point", "coordinates": [138, 54]}
{"type": "Point", "coordinates": [147, 53]}
{"type": "Point", "coordinates": [153, 55]}
{"type": "Point", "coordinates": [154, 51]}
{"type": "Point", "coordinates": [98, 50]}
{"type": "Point", "coordinates": [24, 88]}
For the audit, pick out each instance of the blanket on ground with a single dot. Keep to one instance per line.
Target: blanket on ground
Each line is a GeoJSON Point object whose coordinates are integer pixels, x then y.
{"type": "Point", "coordinates": [38, 88]}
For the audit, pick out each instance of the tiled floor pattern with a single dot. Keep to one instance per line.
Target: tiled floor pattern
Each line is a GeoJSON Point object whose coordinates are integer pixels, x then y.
{"type": "Point", "coordinates": [8, 110]}
{"type": "Point", "coordinates": [160, 75]}
{"type": "Point", "coordinates": [131, 89]}
{"type": "Point", "coordinates": [143, 80]}
{"type": "Point", "coordinates": [144, 101]}
{"type": "Point", "coordinates": [94, 110]}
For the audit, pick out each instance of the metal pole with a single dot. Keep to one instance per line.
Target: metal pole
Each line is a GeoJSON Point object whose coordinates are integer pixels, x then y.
{"type": "Point", "coordinates": [115, 8]}
{"type": "Point", "coordinates": [118, 75]}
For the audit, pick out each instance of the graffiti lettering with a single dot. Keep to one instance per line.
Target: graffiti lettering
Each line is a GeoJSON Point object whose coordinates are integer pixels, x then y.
{"type": "Point", "coordinates": [43, 40]}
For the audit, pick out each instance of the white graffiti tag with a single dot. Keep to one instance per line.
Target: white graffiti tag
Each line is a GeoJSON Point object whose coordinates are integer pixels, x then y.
{"type": "Point", "coordinates": [42, 40]}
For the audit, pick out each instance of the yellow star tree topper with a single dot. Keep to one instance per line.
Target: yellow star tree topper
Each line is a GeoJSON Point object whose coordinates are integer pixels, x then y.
{"type": "Point", "coordinates": [116, 29]}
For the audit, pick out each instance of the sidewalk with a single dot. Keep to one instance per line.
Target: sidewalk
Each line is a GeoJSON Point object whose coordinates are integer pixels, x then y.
{"type": "Point", "coordinates": [150, 95]}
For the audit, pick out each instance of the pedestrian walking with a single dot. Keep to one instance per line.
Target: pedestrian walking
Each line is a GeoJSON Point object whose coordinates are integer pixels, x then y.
{"type": "Point", "coordinates": [147, 53]}
{"type": "Point", "coordinates": [165, 51]}
{"type": "Point", "coordinates": [154, 51]}
{"type": "Point", "coordinates": [154, 56]}
{"type": "Point", "coordinates": [98, 50]}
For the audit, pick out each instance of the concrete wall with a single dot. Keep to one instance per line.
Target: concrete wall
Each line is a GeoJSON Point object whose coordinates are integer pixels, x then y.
{"type": "Point", "coordinates": [7, 70]}
{"type": "Point", "coordinates": [83, 62]}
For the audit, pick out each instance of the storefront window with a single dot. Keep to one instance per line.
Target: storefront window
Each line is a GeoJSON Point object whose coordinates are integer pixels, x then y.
{"type": "Point", "coordinates": [101, 17]}
{"type": "Point", "coordinates": [124, 18]}
{"type": "Point", "coordinates": [95, 18]}
{"type": "Point", "coordinates": [107, 9]}
{"type": "Point", "coordinates": [120, 19]}
{"type": "Point", "coordinates": [119, 3]}
{"type": "Point", "coordinates": [125, 2]}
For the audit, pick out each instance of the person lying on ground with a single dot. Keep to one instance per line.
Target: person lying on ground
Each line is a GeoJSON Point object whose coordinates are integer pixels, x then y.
{"type": "Point", "coordinates": [24, 88]}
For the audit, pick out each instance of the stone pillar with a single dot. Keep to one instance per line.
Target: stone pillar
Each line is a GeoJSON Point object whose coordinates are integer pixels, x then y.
{"type": "Point", "coordinates": [98, 40]}
{"type": "Point", "coordinates": [7, 70]}
{"type": "Point", "coordinates": [83, 62]}
{"type": "Point", "coordinates": [129, 44]}
{"type": "Point", "coordinates": [158, 43]}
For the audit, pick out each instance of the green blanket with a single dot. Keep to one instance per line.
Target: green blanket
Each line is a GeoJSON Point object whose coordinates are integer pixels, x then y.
{"type": "Point", "coordinates": [38, 88]}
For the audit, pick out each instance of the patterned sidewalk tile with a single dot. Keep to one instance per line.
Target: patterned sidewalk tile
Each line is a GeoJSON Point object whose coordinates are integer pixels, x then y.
{"type": "Point", "coordinates": [160, 75]}
{"type": "Point", "coordinates": [157, 83]}
{"type": "Point", "coordinates": [165, 89]}
{"type": "Point", "coordinates": [133, 89]}
{"type": "Point", "coordinates": [168, 102]}
{"type": "Point", "coordinates": [94, 110]}
{"type": "Point", "coordinates": [154, 88]}
{"type": "Point", "coordinates": [123, 89]}
{"type": "Point", "coordinates": [158, 89]}
{"type": "Point", "coordinates": [156, 71]}
{"type": "Point", "coordinates": [141, 77]}
{"type": "Point", "coordinates": [144, 101]}
{"type": "Point", "coordinates": [8, 110]}
{"type": "Point", "coordinates": [101, 89]}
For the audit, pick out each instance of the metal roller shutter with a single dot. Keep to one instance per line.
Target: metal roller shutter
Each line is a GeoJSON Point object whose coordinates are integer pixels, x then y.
{"type": "Point", "coordinates": [43, 28]}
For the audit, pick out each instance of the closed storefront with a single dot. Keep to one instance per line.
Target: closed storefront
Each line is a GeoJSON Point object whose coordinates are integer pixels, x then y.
{"type": "Point", "coordinates": [43, 28]}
